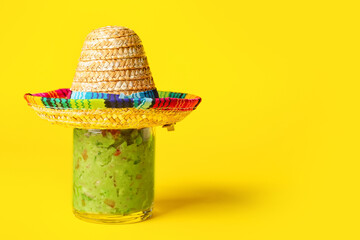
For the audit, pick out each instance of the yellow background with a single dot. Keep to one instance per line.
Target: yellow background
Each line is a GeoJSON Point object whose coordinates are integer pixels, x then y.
{"type": "Point", "coordinates": [272, 152]}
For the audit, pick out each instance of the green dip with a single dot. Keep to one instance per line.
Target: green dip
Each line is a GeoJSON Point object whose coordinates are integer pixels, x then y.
{"type": "Point", "coordinates": [113, 171]}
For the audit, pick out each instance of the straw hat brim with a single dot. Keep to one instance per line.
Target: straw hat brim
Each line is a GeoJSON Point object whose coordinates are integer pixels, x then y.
{"type": "Point", "coordinates": [57, 107]}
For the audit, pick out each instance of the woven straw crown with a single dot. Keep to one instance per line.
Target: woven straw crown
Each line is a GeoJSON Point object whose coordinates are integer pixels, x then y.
{"type": "Point", "coordinates": [113, 61]}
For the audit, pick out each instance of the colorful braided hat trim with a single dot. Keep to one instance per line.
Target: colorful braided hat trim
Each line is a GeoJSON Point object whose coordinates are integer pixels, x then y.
{"type": "Point", "coordinates": [95, 95]}
{"type": "Point", "coordinates": [60, 99]}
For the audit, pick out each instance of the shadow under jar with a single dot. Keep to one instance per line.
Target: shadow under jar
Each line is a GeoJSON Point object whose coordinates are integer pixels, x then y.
{"type": "Point", "coordinates": [113, 175]}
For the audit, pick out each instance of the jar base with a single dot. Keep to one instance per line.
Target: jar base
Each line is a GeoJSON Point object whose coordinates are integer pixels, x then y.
{"type": "Point", "coordinates": [113, 218]}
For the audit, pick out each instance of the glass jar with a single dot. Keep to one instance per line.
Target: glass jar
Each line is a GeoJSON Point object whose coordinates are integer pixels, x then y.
{"type": "Point", "coordinates": [113, 174]}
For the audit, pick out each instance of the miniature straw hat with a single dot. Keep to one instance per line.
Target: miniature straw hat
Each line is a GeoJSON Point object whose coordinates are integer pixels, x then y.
{"type": "Point", "coordinates": [113, 88]}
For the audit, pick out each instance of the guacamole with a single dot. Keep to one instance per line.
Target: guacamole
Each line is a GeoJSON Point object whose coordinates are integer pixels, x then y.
{"type": "Point", "coordinates": [113, 171]}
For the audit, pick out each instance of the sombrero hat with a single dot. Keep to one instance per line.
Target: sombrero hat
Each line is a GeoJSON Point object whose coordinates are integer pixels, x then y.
{"type": "Point", "coordinates": [113, 88]}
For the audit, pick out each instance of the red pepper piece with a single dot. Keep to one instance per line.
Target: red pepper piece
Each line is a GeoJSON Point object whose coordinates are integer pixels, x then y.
{"type": "Point", "coordinates": [117, 153]}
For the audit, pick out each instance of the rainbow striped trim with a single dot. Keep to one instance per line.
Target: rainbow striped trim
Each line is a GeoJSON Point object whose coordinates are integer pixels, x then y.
{"type": "Point", "coordinates": [95, 95]}
{"type": "Point", "coordinates": [60, 99]}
